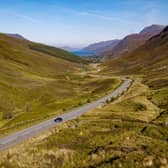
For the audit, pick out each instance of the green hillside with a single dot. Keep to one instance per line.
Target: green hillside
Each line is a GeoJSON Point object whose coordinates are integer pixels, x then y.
{"type": "Point", "coordinates": [56, 52]}
{"type": "Point", "coordinates": [129, 131]}
{"type": "Point", "coordinates": [39, 83]}
{"type": "Point", "coordinates": [151, 63]}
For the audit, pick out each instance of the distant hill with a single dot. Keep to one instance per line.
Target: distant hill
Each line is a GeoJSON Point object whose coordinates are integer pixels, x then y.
{"type": "Point", "coordinates": [133, 41]}
{"type": "Point", "coordinates": [100, 47]}
{"type": "Point", "coordinates": [42, 48]}
{"type": "Point", "coordinates": [18, 54]}
{"type": "Point", "coordinates": [150, 58]}
{"type": "Point", "coordinates": [153, 29]}
{"type": "Point", "coordinates": [16, 36]}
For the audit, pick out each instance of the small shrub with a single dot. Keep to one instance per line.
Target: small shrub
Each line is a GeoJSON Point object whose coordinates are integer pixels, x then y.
{"type": "Point", "coordinates": [140, 107]}
{"type": "Point", "coordinates": [27, 108]}
{"type": "Point", "coordinates": [107, 101]}
{"type": "Point", "coordinates": [112, 99]}
{"type": "Point", "coordinates": [7, 115]}
{"type": "Point", "coordinates": [79, 104]}
{"type": "Point", "coordinates": [88, 100]}
{"type": "Point", "coordinates": [64, 109]}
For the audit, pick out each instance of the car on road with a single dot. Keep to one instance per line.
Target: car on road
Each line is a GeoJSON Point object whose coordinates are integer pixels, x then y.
{"type": "Point", "coordinates": [59, 119]}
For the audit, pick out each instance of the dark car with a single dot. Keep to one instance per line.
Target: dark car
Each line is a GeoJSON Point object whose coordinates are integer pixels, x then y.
{"type": "Point", "coordinates": [59, 119]}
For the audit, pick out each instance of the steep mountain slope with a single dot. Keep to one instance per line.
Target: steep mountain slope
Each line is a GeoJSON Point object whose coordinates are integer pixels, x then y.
{"type": "Point", "coordinates": [39, 81]}
{"type": "Point", "coordinates": [153, 29]}
{"type": "Point", "coordinates": [130, 131]}
{"type": "Point", "coordinates": [152, 57]}
{"type": "Point", "coordinates": [45, 49]}
{"type": "Point", "coordinates": [133, 41]}
{"type": "Point", "coordinates": [149, 61]}
{"type": "Point", "coordinates": [100, 47]}
{"type": "Point", "coordinates": [31, 78]}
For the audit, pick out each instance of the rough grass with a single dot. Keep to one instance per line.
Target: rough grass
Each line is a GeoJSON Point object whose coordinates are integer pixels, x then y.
{"type": "Point", "coordinates": [134, 104]}
{"type": "Point", "coordinates": [128, 132]}
{"type": "Point", "coordinates": [150, 62]}
{"type": "Point", "coordinates": [36, 85]}
{"type": "Point", "coordinates": [29, 80]}
{"type": "Point", "coordinates": [113, 135]}
{"type": "Point", "coordinates": [53, 51]}
{"type": "Point", "coordinates": [33, 105]}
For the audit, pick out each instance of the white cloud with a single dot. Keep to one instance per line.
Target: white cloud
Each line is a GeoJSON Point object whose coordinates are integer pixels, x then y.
{"type": "Point", "coordinates": [99, 15]}
{"type": "Point", "coordinates": [28, 18]}
{"type": "Point", "coordinates": [20, 16]}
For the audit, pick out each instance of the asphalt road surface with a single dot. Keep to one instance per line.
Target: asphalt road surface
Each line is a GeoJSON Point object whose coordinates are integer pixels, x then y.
{"type": "Point", "coordinates": [30, 132]}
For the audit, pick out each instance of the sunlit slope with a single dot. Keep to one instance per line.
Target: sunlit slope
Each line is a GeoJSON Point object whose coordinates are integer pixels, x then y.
{"type": "Point", "coordinates": [29, 79]}
{"type": "Point", "coordinates": [151, 63]}
{"type": "Point", "coordinates": [151, 58]}
{"type": "Point", "coordinates": [38, 82]}
{"type": "Point", "coordinates": [56, 52]}
{"type": "Point", "coordinates": [18, 53]}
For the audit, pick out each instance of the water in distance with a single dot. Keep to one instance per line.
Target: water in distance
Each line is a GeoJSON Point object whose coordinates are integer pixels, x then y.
{"type": "Point", "coordinates": [83, 53]}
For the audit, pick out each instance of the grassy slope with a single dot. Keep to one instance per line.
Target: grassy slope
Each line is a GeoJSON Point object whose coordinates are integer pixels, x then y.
{"type": "Point", "coordinates": [122, 133]}
{"type": "Point", "coordinates": [56, 52]}
{"type": "Point", "coordinates": [149, 61]}
{"type": "Point", "coordinates": [35, 85]}
{"type": "Point", "coordinates": [27, 76]}
{"type": "Point", "coordinates": [133, 41]}
{"type": "Point", "coordinates": [129, 132]}
{"type": "Point", "coordinates": [70, 140]}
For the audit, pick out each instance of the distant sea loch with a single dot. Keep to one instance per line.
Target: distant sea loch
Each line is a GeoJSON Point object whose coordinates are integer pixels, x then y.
{"type": "Point", "coordinates": [83, 53]}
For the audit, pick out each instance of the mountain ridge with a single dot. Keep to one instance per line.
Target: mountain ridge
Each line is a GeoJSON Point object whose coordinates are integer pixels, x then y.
{"type": "Point", "coordinates": [152, 55]}
{"type": "Point", "coordinates": [133, 41]}
{"type": "Point", "coordinates": [99, 47]}
{"type": "Point", "coordinates": [18, 36]}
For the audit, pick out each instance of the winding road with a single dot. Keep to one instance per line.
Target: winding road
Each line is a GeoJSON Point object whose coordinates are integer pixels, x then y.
{"type": "Point", "coordinates": [30, 132]}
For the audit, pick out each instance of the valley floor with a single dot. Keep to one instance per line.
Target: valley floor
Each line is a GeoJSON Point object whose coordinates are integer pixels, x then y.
{"type": "Point", "coordinates": [53, 98]}
{"type": "Point", "coordinates": [130, 131]}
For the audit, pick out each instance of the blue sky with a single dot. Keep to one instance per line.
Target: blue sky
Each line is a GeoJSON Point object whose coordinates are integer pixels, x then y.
{"type": "Point", "coordinates": [79, 22]}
